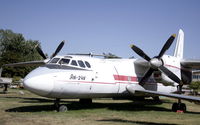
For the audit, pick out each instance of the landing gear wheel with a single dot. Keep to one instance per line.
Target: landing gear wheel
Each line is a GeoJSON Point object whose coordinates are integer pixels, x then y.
{"type": "Point", "coordinates": [183, 107]}
{"type": "Point", "coordinates": [63, 108]}
{"type": "Point", "coordinates": [179, 106]}
{"type": "Point", "coordinates": [175, 107]}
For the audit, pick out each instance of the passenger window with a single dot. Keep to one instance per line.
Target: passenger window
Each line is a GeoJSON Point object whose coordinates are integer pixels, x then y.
{"type": "Point", "coordinates": [64, 61]}
{"type": "Point", "coordinates": [81, 64]}
{"type": "Point", "coordinates": [54, 60]}
{"type": "Point", "coordinates": [74, 63]}
{"type": "Point", "coordinates": [87, 64]}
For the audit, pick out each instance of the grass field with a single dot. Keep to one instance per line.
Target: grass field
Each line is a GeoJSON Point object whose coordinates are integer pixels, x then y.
{"type": "Point", "coordinates": [28, 109]}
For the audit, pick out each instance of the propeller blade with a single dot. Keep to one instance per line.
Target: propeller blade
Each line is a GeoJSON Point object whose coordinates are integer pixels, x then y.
{"type": "Point", "coordinates": [146, 76]}
{"type": "Point", "coordinates": [140, 52]}
{"type": "Point", "coordinates": [39, 50]}
{"type": "Point", "coordinates": [170, 74]}
{"type": "Point", "coordinates": [58, 49]}
{"type": "Point", "coordinates": [167, 45]}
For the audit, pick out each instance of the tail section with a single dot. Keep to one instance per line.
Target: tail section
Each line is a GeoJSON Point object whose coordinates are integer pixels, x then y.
{"type": "Point", "coordinates": [179, 45]}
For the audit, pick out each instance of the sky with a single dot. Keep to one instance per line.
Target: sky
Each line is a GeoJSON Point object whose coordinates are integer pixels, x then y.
{"type": "Point", "coordinates": [108, 26]}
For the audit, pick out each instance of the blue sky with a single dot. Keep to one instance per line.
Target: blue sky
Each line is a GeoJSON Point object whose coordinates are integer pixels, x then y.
{"type": "Point", "coordinates": [104, 25]}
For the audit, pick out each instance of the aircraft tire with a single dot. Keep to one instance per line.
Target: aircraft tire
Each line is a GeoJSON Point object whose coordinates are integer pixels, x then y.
{"type": "Point", "coordinates": [63, 108]}
{"type": "Point", "coordinates": [178, 106]}
{"type": "Point", "coordinates": [175, 107]}
{"type": "Point", "coordinates": [183, 107]}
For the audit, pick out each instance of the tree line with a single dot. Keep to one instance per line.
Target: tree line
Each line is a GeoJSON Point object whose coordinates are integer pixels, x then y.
{"type": "Point", "coordinates": [15, 48]}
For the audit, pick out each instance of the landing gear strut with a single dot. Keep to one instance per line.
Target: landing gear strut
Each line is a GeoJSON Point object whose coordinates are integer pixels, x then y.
{"type": "Point", "coordinates": [5, 88]}
{"type": "Point", "coordinates": [179, 106]}
{"type": "Point", "coordinates": [56, 104]}
{"type": "Point", "coordinates": [85, 101]}
{"type": "Point", "coordinates": [58, 107]}
{"type": "Point", "coordinates": [156, 98]}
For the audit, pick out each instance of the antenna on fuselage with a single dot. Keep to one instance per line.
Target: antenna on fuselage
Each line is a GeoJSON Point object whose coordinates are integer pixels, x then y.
{"type": "Point", "coordinates": [86, 54]}
{"type": "Point", "coordinates": [104, 55]}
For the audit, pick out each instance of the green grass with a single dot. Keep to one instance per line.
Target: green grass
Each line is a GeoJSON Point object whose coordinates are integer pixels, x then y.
{"type": "Point", "coordinates": [18, 109]}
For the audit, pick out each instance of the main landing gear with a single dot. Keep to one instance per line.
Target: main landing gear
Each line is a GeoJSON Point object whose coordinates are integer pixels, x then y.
{"type": "Point", "coordinates": [179, 107]}
{"type": "Point", "coordinates": [64, 108]}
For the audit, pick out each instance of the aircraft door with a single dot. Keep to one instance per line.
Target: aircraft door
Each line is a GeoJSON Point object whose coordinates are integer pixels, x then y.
{"type": "Point", "coordinates": [104, 82]}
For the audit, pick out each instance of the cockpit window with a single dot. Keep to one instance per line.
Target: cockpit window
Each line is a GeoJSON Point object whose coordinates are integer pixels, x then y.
{"type": "Point", "coordinates": [87, 64]}
{"type": "Point", "coordinates": [64, 61]}
{"type": "Point", "coordinates": [54, 60]}
{"type": "Point", "coordinates": [81, 63]}
{"type": "Point", "coordinates": [74, 63]}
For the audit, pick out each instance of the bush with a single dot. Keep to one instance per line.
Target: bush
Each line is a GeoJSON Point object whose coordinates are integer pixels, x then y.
{"type": "Point", "coordinates": [16, 79]}
{"type": "Point", "coordinates": [195, 85]}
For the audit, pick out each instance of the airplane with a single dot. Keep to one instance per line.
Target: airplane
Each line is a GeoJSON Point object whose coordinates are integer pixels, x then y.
{"type": "Point", "coordinates": [85, 76]}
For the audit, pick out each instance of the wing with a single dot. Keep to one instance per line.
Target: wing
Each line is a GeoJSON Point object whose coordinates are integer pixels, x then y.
{"type": "Point", "coordinates": [192, 64]}
{"type": "Point", "coordinates": [134, 89]}
{"type": "Point", "coordinates": [23, 64]}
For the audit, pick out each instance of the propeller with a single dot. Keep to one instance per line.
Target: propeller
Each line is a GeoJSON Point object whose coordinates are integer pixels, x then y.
{"type": "Point", "coordinates": [58, 49]}
{"type": "Point", "coordinates": [39, 50]}
{"type": "Point", "coordinates": [60, 46]}
{"type": "Point", "coordinates": [156, 63]}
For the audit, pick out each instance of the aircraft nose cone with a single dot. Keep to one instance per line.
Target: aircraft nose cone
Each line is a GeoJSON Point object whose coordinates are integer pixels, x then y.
{"type": "Point", "coordinates": [39, 84]}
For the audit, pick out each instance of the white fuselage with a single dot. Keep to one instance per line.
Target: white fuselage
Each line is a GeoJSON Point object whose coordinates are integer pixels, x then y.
{"type": "Point", "coordinates": [105, 78]}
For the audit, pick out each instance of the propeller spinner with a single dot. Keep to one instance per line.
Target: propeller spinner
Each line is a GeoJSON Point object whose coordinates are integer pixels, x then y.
{"type": "Point", "coordinates": [156, 62]}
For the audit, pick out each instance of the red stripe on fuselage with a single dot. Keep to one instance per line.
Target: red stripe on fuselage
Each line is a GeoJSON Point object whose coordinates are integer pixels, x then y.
{"type": "Point", "coordinates": [182, 68]}
{"type": "Point", "coordinates": [67, 81]}
{"type": "Point", "coordinates": [172, 66]}
{"type": "Point", "coordinates": [125, 78]}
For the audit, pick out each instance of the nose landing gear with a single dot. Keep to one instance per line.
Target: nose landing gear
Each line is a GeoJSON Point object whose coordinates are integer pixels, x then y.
{"type": "Point", "coordinates": [58, 107]}
{"type": "Point", "coordinates": [63, 108]}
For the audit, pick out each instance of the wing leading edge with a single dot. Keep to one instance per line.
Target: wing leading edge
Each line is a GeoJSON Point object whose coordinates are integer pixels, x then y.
{"type": "Point", "coordinates": [23, 64]}
{"type": "Point", "coordinates": [192, 64]}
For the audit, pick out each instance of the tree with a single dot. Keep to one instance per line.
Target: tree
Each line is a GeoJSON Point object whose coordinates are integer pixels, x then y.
{"type": "Point", "coordinates": [14, 48]}
{"type": "Point", "coordinates": [110, 56]}
{"type": "Point", "coordinates": [195, 85]}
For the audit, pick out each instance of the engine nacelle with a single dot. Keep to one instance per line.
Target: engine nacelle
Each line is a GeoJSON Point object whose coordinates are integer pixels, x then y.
{"type": "Point", "coordinates": [186, 75]}
{"type": "Point", "coordinates": [162, 78]}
